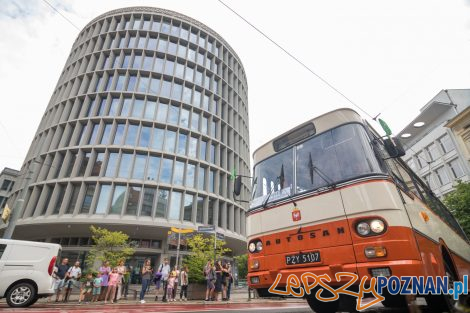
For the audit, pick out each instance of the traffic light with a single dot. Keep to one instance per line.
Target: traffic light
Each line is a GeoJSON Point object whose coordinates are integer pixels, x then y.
{"type": "Point", "coordinates": [6, 214]}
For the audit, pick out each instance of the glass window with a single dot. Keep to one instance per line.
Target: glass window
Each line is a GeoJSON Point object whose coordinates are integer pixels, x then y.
{"type": "Point", "coordinates": [126, 107]}
{"type": "Point", "coordinates": [192, 152]}
{"type": "Point", "coordinates": [84, 164]}
{"type": "Point", "coordinates": [193, 37]}
{"type": "Point", "coordinates": [165, 173]}
{"type": "Point", "coordinates": [182, 138]}
{"type": "Point", "coordinates": [205, 103]}
{"type": "Point", "coordinates": [176, 91]}
{"type": "Point", "coordinates": [154, 167]}
{"type": "Point", "coordinates": [132, 131]}
{"type": "Point", "coordinates": [119, 134]}
{"type": "Point", "coordinates": [125, 64]}
{"type": "Point", "coordinates": [75, 189]}
{"type": "Point", "coordinates": [137, 62]}
{"type": "Point", "coordinates": [175, 208]}
{"type": "Point", "coordinates": [150, 110]}
{"type": "Point", "coordinates": [184, 118]}
{"type": "Point", "coordinates": [422, 159]}
{"type": "Point", "coordinates": [152, 44]}
{"type": "Point", "coordinates": [197, 99]}
{"type": "Point", "coordinates": [212, 181]}
{"type": "Point", "coordinates": [170, 141]}
{"type": "Point", "coordinates": [446, 143]}
{"type": "Point", "coordinates": [147, 203]}
{"type": "Point", "coordinates": [195, 121]}
{"type": "Point", "coordinates": [432, 149]}
{"type": "Point", "coordinates": [133, 198]}
{"type": "Point", "coordinates": [118, 199]}
{"type": "Point", "coordinates": [456, 168]}
{"type": "Point", "coordinates": [145, 136]}
{"type": "Point", "coordinates": [182, 51]}
{"type": "Point", "coordinates": [112, 164]}
{"type": "Point", "coordinates": [156, 26]}
{"type": "Point", "coordinates": [204, 125]}
{"type": "Point", "coordinates": [172, 48]}
{"type": "Point", "coordinates": [146, 25]}
{"type": "Point", "coordinates": [136, 24]}
{"type": "Point", "coordinates": [162, 203]}
{"type": "Point", "coordinates": [179, 70]}
{"type": "Point", "coordinates": [103, 199]}
{"type": "Point", "coordinates": [198, 79]}
{"type": "Point", "coordinates": [166, 89]}
{"type": "Point", "coordinates": [98, 83]}
{"type": "Point", "coordinates": [131, 43]}
{"type": "Point", "coordinates": [174, 115]}
{"type": "Point", "coordinates": [184, 33]}
{"type": "Point", "coordinates": [94, 134]}
{"type": "Point", "coordinates": [148, 63]}
{"type": "Point", "coordinates": [202, 178]}
{"type": "Point", "coordinates": [114, 108]}
{"type": "Point", "coordinates": [106, 134]}
{"type": "Point", "coordinates": [430, 181]}
{"type": "Point", "coordinates": [188, 207]}
{"type": "Point", "coordinates": [158, 65]}
{"type": "Point", "coordinates": [90, 191]}
{"type": "Point", "coordinates": [210, 213]}
{"type": "Point", "coordinates": [60, 198]}
{"type": "Point", "coordinates": [165, 28]}
{"type": "Point", "coordinates": [190, 175]}
{"type": "Point", "coordinates": [125, 166]}
{"type": "Point", "coordinates": [95, 171]}
{"type": "Point", "coordinates": [131, 83]}
{"type": "Point", "coordinates": [202, 41]}
{"type": "Point", "coordinates": [178, 174]}
{"type": "Point", "coordinates": [109, 83]}
{"type": "Point", "coordinates": [200, 58]}
{"type": "Point", "coordinates": [212, 160]}
{"type": "Point", "coordinates": [187, 93]}
{"type": "Point", "coordinates": [157, 139]}
{"type": "Point", "coordinates": [154, 86]}
{"type": "Point", "coordinates": [200, 210]}
{"type": "Point", "coordinates": [442, 176]}
{"type": "Point", "coordinates": [189, 74]}
{"type": "Point", "coordinates": [139, 166]}
{"type": "Point", "coordinates": [213, 129]}
{"type": "Point", "coordinates": [141, 43]}
{"type": "Point", "coordinates": [162, 45]}
{"type": "Point", "coordinates": [138, 108]}
{"type": "Point", "coordinates": [169, 67]}
{"type": "Point", "coordinates": [143, 84]}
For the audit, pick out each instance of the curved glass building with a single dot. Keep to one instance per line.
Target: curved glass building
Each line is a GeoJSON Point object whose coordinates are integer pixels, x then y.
{"type": "Point", "coordinates": [146, 123]}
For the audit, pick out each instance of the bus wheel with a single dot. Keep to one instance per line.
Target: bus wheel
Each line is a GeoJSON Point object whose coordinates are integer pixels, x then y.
{"type": "Point", "coordinates": [394, 301]}
{"type": "Point", "coordinates": [443, 303]}
{"type": "Point", "coordinates": [320, 306]}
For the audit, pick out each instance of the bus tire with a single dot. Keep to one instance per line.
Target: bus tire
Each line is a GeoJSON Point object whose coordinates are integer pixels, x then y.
{"type": "Point", "coordinates": [394, 301]}
{"type": "Point", "coordinates": [444, 303]}
{"type": "Point", "coordinates": [320, 306]}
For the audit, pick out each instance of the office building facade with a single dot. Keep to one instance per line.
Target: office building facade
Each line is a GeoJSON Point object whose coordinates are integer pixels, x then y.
{"type": "Point", "coordinates": [147, 121]}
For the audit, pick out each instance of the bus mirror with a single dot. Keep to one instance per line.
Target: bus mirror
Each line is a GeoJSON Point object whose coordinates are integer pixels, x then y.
{"type": "Point", "coordinates": [394, 147]}
{"type": "Point", "coordinates": [237, 186]}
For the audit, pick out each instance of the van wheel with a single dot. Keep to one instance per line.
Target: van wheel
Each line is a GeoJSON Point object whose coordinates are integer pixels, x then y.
{"type": "Point", "coordinates": [21, 295]}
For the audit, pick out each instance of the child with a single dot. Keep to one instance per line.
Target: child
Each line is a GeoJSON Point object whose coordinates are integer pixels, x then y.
{"type": "Point", "coordinates": [112, 285]}
{"type": "Point", "coordinates": [87, 288]}
{"type": "Point", "coordinates": [97, 287]}
{"type": "Point", "coordinates": [171, 286]}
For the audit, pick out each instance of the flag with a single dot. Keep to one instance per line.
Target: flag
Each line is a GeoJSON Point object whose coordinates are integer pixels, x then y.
{"type": "Point", "coordinates": [233, 174]}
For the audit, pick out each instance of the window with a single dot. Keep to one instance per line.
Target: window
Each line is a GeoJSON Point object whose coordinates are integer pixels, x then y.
{"type": "Point", "coordinates": [150, 110]}
{"type": "Point", "coordinates": [166, 89]}
{"type": "Point", "coordinates": [75, 189]}
{"type": "Point", "coordinates": [422, 159]}
{"type": "Point", "coordinates": [119, 134]}
{"type": "Point", "coordinates": [202, 178]}
{"type": "Point", "coordinates": [103, 199]}
{"type": "Point", "coordinates": [147, 202]}
{"type": "Point", "coordinates": [192, 153]}
{"type": "Point", "coordinates": [174, 115]}
{"type": "Point", "coordinates": [139, 166]}
{"type": "Point", "coordinates": [188, 207]}
{"type": "Point", "coordinates": [456, 168]}
{"type": "Point", "coordinates": [212, 181]}
{"type": "Point", "coordinates": [170, 141]}
{"type": "Point", "coordinates": [138, 108]}
{"type": "Point", "coordinates": [143, 85]}
{"type": "Point", "coordinates": [442, 176]}
{"type": "Point", "coordinates": [446, 143]}
{"type": "Point", "coordinates": [184, 118]}
{"type": "Point", "coordinates": [200, 210]}
{"type": "Point", "coordinates": [126, 107]}
{"type": "Point", "coordinates": [131, 83]}
{"type": "Point", "coordinates": [112, 164]}
{"type": "Point", "coordinates": [145, 136]}
{"type": "Point", "coordinates": [195, 121]}
{"type": "Point", "coordinates": [433, 152]}
{"type": "Point", "coordinates": [118, 199]}
{"type": "Point", "coordinates": [182, 139]}
{"type": "Point", "coordinates": [190, 175]}
{"type": "Point", "coordinates": [94, 134]}
{"type": "Point", "coordinates": [157, 139]}
{"type": "Point", "coordinates": [178, 174]}
{"type": "Point", "coordinates": [90, 191]}
{"type": "Point", "coordinates": [125, 166]}
{"type": "Point", "coordinates": [162, 203]}
{"type": "Point", "coordinates": [84, 164]}
{"type": "Point", "coordinates": [211, 212]}
{"type": "Point", "coordinates": [60, 198]}
{"type": "Point", "coordinates": [6, 185]}
{"type": "Point", "coordinates": [169, 67]}
{"type": "Point", "coordinates": [95, 171]}
{"type": "Point", "coordinates": [430, 181]}
{"type": "Point", "coordinates": [175, 206]}
{"type": "Point", "coordinates": [202, 151]}
{"type": "Point", "coordinates": [106, 134]}
{"type": "Point", "coordinates": [131, 137]}
{"type": "Point", "coordinates": [133, 198]}
{"type": "Point", "coordinates": [153, 168]}
{"type": "Point", "coordinates": [166, 171]}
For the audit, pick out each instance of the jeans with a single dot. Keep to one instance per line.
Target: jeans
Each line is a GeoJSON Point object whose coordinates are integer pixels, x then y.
{"type": "Point", "coordinates": [165, 285]}
{"type": "Point", "coordinates": [184, 292]}
{"type": "Point", "coordinates": [229, 288]}
{"type": "Point", "coordinates": [145, 284]}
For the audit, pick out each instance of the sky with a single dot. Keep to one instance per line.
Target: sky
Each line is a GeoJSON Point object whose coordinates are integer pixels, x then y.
{"type": "Point", "coordinates": [388, 57]}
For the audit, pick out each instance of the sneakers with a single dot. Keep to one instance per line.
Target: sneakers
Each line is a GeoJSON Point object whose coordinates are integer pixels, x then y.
{"type": "Point", "coordinates": [156, 298]}
{"type": "Point", "coordinates": [142, 301]}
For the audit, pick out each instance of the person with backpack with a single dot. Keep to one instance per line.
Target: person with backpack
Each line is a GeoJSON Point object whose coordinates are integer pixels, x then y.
{"type": "Point", "coordinates": [209, 273]}
{"type": "Point", "coordinates": [165, 271]}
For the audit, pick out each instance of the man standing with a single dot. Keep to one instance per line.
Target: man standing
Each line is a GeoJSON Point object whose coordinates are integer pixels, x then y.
{"type": "Point", "coordinates": [62, 270]}
{"type": "Point", "coordinates": [165, 270]}
{"type": "Point", "coordinates": [73, 275]}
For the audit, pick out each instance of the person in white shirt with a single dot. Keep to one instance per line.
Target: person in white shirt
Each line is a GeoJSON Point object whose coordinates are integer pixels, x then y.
{"type": "Point", "coordinates": [72, 279]}
{"type": "Point", "coordinates": [165, 270]}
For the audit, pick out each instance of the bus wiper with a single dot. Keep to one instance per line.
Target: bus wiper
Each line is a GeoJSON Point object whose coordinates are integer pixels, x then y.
{"type": "Point", "coordinates": [265, 203]}
{"type": "Point", "coordinates": [312, 167]}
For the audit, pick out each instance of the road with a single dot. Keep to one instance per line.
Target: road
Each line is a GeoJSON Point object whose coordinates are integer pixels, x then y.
{"type": "Point", "coordinates": [275, 307]}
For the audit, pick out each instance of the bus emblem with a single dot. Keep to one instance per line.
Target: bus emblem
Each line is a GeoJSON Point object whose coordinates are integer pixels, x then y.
{"type": "Point", "coordinates": [296, 215]}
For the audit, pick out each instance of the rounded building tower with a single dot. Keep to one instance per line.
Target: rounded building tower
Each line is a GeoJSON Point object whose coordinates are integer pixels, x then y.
{"type": "Point", "coordinates": [146, 123]}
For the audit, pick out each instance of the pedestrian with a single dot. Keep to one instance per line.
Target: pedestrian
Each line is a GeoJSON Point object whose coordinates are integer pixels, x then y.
{"type": "Point", "coordinates": [97, 287]}
{"type": "Point", "coordinates": [87, 288]}
{"type": "Point", "coordinates": [175, 286]}
{"type": "Point", "coordinates": [157, 280]}
{"type": "Point", "coordinates": [171, 286]}
{"type": "Point", "coordinates": [104, 270]}
{"type": "Point", "coordinates": [122, 270]}
{"type": "Point", "coordinates": [218, 281]}
{"type": "Point", "coordinates": [230, 281]}
{"type": "Point", "coordinates": [126, 283]}
{"type": "Point", "coordinates": [72, 279]}
{"type": "Point", "coordinates": [146, 275]}
{"type": "Point", "coordinates": [225, 277]}
{"type": "Point", "coordinates": [165, 270]}
{"type": "Point", "coordinates": [210, 279]}
{"type": "Point", "coordinates": [112, 285]}
{"type": "Point", "coordinates": [184, 281]}
{"type": "Point", "coordinates": [61, 273]}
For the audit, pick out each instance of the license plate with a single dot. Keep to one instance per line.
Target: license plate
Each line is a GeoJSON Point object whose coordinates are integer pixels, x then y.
{"type": "Point", "coordinates": [303, 258]}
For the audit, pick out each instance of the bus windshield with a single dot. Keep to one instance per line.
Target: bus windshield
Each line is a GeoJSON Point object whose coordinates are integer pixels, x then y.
{"type": "Point", "coordinates": [334, 156]}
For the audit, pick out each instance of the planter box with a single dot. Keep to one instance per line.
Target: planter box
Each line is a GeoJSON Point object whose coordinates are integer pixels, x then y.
{"type": "Point", "coordinates": [196, 291]}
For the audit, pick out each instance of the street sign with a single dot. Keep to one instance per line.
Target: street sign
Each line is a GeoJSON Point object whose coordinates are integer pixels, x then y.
{"type": "Point", "coordinates": [220, 236]}
{"type": "Point", "coordinates": [206, 229]}
{"type": "Point", "coordinates": [182, 230]}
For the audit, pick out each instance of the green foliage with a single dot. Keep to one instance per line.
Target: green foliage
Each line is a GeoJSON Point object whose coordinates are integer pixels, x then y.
{"type": "Point", "coordinates": [111, 246]}
{"type": "Point", "coordinates": [202, 250]}
{"type": "Point", "coordinates": [242, 263]}
{"type": "Point", "coordinates": [458, 202]}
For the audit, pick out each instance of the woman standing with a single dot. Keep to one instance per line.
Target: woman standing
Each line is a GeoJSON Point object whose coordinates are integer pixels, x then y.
{"type": "Point", "coordinates": [104, 270]}
{"type": "Point", "coordinates": [146, 276]}
{"type": "Point", "coordinates": [218, 281]}
{"type": "Point", "coordinates": [184, 281]}
{"type": "Point", "coordinates": [122, 270]}
{"type": "Point", "coordinates": [230, 281]}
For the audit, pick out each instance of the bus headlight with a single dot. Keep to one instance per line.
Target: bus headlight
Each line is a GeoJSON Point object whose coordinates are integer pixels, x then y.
{"type": "Point", "coordinates": [252, 247]}
{"type": "Point", "coordinates": [363, 229]}
{"type": "Point", "coordinates": [255, 246]}
{"type": "Point", "coordinates": [259, 246]}
{"type": "Point", "coordinates": [377, 226]}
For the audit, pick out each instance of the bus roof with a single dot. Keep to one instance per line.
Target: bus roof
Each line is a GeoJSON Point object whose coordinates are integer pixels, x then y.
{"type": "Point", "coordinates": [322, 123]}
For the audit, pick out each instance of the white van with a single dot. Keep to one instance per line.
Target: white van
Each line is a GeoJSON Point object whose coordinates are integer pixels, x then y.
{"type": "Point", "coordinates": [25, 270]}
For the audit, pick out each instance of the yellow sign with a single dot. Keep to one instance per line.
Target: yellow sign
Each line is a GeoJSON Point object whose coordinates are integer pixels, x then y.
{"type": "Point", "coordinates": [182, 230]}
{"type": "Point", "coordinates": [6, 214]}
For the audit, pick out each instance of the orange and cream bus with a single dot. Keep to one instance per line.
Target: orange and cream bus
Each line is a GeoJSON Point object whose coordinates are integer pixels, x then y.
{"type": "Point", "coordinates": [332, 196]}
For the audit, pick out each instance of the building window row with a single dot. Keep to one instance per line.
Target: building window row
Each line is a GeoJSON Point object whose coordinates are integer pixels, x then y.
{"type": "Point", "coordinates": [445, 174]}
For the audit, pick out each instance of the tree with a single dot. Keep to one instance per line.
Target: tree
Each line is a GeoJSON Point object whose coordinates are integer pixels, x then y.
{"type": "Point", "coordinates": [202, 250]}
{"type": "Point", "coordinates": [458, 202]}
{"type": "Point", "coordinates": [111, 246]}
{"type": "Point", "coordinates": [242, 263]}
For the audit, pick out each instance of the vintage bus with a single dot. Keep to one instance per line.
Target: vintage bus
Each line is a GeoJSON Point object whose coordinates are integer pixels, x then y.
{"type": "Point", "coordinates": [332, 196]}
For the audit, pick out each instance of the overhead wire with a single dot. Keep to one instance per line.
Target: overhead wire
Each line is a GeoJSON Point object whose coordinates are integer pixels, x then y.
{"type": "Point", "coordinates": [67, 19]}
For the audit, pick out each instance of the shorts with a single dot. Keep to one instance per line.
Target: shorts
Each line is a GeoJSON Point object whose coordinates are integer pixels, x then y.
{"type": "Point", "coordinates": [72, 283]}
{"type": "Point", "coordinates": [96, 291]}
{"type": "Point", "coordinates": [87, 290]}
{"type": "Point", "coordinates": [210, 284]}
{"type": "Point", "coordinates": [59, 284]}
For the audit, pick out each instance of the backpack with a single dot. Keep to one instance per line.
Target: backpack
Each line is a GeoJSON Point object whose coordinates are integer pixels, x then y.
{"type": "Point", "coordinates": [158, 275]}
